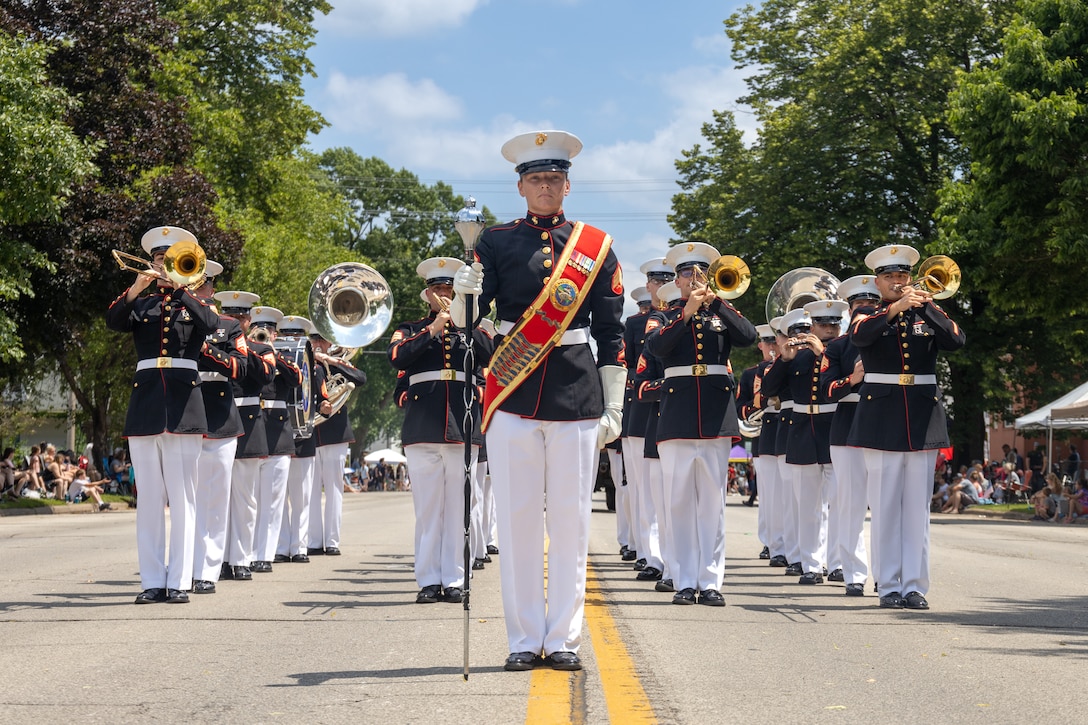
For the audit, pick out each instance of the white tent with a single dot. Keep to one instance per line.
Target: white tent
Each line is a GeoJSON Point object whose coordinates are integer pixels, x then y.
{"type": "Point", "coordinates": [1069, 412]}
{"type": "Point", "coordinates": [388, 454]}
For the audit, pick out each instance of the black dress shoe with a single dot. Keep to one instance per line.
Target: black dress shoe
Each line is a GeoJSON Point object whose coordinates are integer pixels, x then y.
{"type": "Point", "coordinates": [748, 502]}
{"type": "Point", "coordinates": [519, 662]}
{"type": "Point", "coordinates": [492, 549]}
{"type": "Point", "coordinates": [630, 555]}
{"type": "Point", "coordinates": [485, 558]}
{"type": "Point", "coordinates": [224, 571]}
{"type": "Point", "coordinates": [332, 551]}
{"type": "Point", "coordinates": [649, 574]}
{"type": "Point", "coordinates": [477, 564]}
{"type": "Point", "coordinates": [794, 569]}
{"type": "Point", "coordinates": [639, 565]}
{"type": "Point", "coordinates": [711, 598]}
{"type": "Point", "coordinates": [315, 551]}
{"type": "Point", "coordinates": [429, 594]}
{"type": "Point", "coordinates": [915, 600]}
{"type": "Point", "coordinates": [241, 573]}
{"type": "Point", "coordinates": [453, 595]}
{"type": "Point", "coordinates": [778, 561]}
{"type": "Point", "coordinates": [684, 596]}
{"type": "Point", "coordinates": [665, 585]}
{"type": "Point", "coordinates": [836, 576]}
{"type": "Point", "coordinates": [203, 586]}
{"type": "Point", "coordinates": [855, 590]}
{"type": "Point", "coordinates": [566, 661]}
{"type": "Point", "coordinates": [300, 559]}
{"type": "Point", "coordinates": [281, 559]}
{"type": "Point", "coordinates": [150, 596]}
{"type": "Point", "coordinates": [623, 549]}
{"type": "Point", "coordinates": [765, 554]}
{"type": "Point", "coordinates": [176, 596]}
{"type": "Point", "coordinates": [892, 601]}
{"type": "Point", "coordinates": [261, 567]}
{"type": "Point", "coordinates": [811, 577]}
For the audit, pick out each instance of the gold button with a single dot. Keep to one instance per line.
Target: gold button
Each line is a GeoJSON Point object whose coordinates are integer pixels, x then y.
{"type": "Point", "coordinates": [543, 235]}
{"type": "Point", "coordinates": [165, 340]}
{"type": "Point", "coordinates": [547, 263]}
{"type": "Point", "coordinates": [904, 344]}
{"type": "Point", "coordinates": [699, 346]}
{"type": "Point", "coordinates": [135, 385]}
{"type": "Point", "coordinates": [164, 350]}
{"type": "Point", "coordinates": [555, 220]}
{"type": "Point", "coordinates": [868, 397]}
{"type": "Point", "coordinates": [221, 393]}
{"type": "Point", "coordinates": [547, 280]}
{"type": "Point", "coordinates": [906, 354]}
{"type": "Point", "coordinates": [906, 368]}
{"type": "Point", "coordinates": [415, 397]}
{"type": "Point", "coordinates": [699, 336]}
{"type": "Point", "coordinates": [146, 320]}
{"type": "Point", "coordinates": [670, 390]}
{"type": "Point", "coordinates": [535, 220]}
{"type": "Point", "coordinates": [698, 325]}
{"type": "Point", "coordinates": [814, 388]}
{"type": "Point", "coordinates": [546, 250]}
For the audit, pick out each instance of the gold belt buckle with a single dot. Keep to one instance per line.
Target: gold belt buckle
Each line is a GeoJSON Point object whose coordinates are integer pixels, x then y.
{"type": "Point", "coordinates": [263, 404]}
{"type": "Point", "coordinates": [698, 371]}
{"type": "Point", "coordinates": [906, 378]}
{"type": "Point", "coordinates": [164, 362]}
{"type": "Point", "coordinates": [447, 375]}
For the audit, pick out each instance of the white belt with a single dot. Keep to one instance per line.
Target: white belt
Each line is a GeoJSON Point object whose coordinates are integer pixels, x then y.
{"type": "Point", "coordinates": [850, 398]}
{"type": "Point", "coordinates": [786, 405]}
{"type": "Point", "coordinates": [436, 375]}
{"type": "Point", "coordinates": [697, 371]}
{"type": "Point", "coordinates": [273, 403]}
{"type": "Point", "coordinates": [901, 379]}
{"type": "Point", "coordinates": [166, 362]}
{"type": "Point", "coordinates": [210, 377]}
{"type": "Point", "coordinates": [815, 409]}
{"type": "Point", "coordinates": [243, 402]}
{"type": "Point", "coordinates": [577, 336]}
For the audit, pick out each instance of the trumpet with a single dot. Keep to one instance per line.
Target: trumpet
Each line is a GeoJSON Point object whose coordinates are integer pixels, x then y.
{"type": "Point", "coordinates": [183, 264]}
{"type": "Point", "coordinates": [260, 334]}
{"type": "Point", "coordinates": [939, 277]}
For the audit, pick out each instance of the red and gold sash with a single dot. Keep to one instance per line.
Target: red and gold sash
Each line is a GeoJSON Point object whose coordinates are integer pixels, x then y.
{"type": "Point", "coordinates": [542, 325]}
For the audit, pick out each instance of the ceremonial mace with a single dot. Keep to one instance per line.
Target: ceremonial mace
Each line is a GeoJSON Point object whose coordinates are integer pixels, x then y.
{"type": "Point", "coordinates": [469, 224]}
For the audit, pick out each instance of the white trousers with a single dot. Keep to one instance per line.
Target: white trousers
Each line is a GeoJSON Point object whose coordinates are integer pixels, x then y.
{"type": "Point", "coordinates": [662, 500]}
{"type": "Point", "coordinates": [487, 507]}
{"type": "Point", "coordinates": [633, 448]}
{"type": "Point", "coordinates": [623, 526]}
{"type": "Point", "coordinates": [165, 468]}
{"type": "Point", "coordinates": [533, 460]}
{"type": "Point", "coordinates": [769, 517]}
{"type": "Point", "coordinates": [295, 523]}
{"type": "Point", "coordinates": [695, 474]}
{"type": "Point", "coordinates": [848, 505]}
{"type": "Point", "coordinates": [438, 496]}
{"type": "Point", "coordinates": [791, 545]}
{"type": "Point", "coordinates": [900, 487]}
{"type": "Point", "coordinates": [477, 543]}
{"type": "Point", "coordinates": [271, 491]}
{"type": "Point", "coordinates": [648, 536]}
{"type": "Point", "coordinates": [212, 506]}
{"type": "Point", "coordinates": [811, 483]}
{"type": "Point", "coordinates": [325, 515]}
{"type": "Point", "coordinates": [243, 511]}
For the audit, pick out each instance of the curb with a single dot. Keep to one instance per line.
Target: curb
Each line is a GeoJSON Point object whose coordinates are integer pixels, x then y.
{"type": "Point", "coordinates": [76, 508]}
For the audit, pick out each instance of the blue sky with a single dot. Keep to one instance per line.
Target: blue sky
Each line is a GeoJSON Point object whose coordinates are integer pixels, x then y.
{"type": "Point", "coordinates": [437, 86]}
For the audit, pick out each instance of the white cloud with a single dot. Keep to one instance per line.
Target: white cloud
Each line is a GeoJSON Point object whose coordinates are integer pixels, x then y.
{"type": "Point", "coordinates": [395, 18]}
{"type": "Point", "coordinates": [387, 103]}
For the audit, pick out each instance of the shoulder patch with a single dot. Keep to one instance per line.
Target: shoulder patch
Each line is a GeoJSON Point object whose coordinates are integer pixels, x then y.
{"type": "Point", "coordinates": [617, 280]}
{"type": "Point", "coordinates": [652, 324]}
{"type": "Point", "coordinates": [398, 336]}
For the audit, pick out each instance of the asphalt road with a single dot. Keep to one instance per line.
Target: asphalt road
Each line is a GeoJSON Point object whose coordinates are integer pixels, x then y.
{"type": "Point", "coordinates": [340, 639]}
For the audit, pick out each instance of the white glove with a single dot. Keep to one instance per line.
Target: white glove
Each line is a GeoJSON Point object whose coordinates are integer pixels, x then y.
{"type": "Point", "coordinates": [469, 280]}
{"type": "Point", "coordinates": [614, 384]}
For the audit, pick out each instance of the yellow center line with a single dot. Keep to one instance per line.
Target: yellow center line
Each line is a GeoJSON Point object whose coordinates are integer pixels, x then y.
{"type": "Point", "coordinates": [559, 697]}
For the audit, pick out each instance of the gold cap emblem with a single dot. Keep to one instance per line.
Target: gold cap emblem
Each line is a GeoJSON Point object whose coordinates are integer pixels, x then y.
{"type": "Point", "coordinates": [166, 231]}
{"type": "Point", "coordinates": [691, 247]}
{"type": "Point", "coordinates": [541, 138]}
{"type": "Point", "coordinates": [441, 263]}
{"type": "Point", "coordinates": [893, 250]}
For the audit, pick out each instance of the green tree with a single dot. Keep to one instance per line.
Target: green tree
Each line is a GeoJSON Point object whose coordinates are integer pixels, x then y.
{"type": "Point", "coordinates": [854, 144]}
{"type": "Point", "coordinates": [41, 160]}
{"type": "Point", "coordinates": [1021, 209]}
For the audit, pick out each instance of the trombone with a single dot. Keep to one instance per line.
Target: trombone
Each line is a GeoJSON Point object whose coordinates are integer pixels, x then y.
{"type": "Point", "coordinates": [183, 264]}
{"type": "Point", "coordinates": [728, 277]}
{"type": "Point", "coordinates": [939, 276]}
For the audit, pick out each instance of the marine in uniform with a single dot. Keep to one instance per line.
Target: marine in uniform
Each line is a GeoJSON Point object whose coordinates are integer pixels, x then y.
{"type": "Point", "coordinates": [549, 406]}
{"type": "Point", "coordinates": [225, 357]}
{"type": "Point", "coordinates": [698, 419]}
{"type": "Point", "coordinates": [900, 421]}
{"type": "Point", "coordinates": [253, 443]}
{"type": "Point", "coordinates": [841, 375]}
{"type": "Point", "coordinates": [333, 437]}
{"type": "Point", "coordinates": [749, 401]}
{"type": "Point", "coordinates": [295, 521]}
{"type": "Point", "coordinates": [166, 421]}
{"type": "Point", "coordinates": [432, 353]}
{"type": "Point", "coordinates": [274, 468]}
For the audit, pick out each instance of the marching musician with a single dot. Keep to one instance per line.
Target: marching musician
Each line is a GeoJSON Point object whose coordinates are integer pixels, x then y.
{"type": "Point", "coordinates": [698, 419]}
{"type": "Point", "coordinates": [749, 400]}
{"type": "Point", "coordinates": [549, 406]}
{"type": "Point", "coordinates": [295, 521]}
{"type": "Point", "coordinates": [841, 378]}
{"type": "Point", "coordinates": [225, 346]}
{"type": "Point", "coordinates": [432, 353]}
{"type": "Point", "coordinates": [252, 445]}
{"type": "Point", "coordinates": [274, 468]}
{"type": "Point", "coordinates": [786, 501]}
{"type": "Point", "coordinates": [333, 437]}
{"type": "Point", "coordinates": [166, 422]}
{"type": "Point", "coordinates": [900, 421]}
